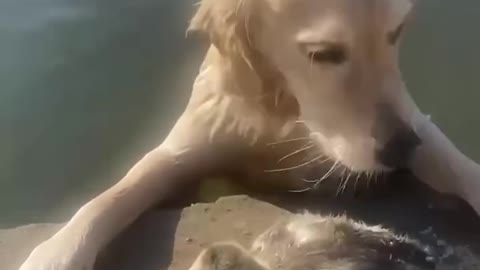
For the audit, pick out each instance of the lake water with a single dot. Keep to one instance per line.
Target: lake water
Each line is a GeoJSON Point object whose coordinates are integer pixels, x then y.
{"type": "Point", "coordinates": [87, 87]}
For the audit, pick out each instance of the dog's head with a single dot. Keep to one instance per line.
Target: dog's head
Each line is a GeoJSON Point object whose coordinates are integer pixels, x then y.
{"type": "Point", "coordinates": [337, 58]}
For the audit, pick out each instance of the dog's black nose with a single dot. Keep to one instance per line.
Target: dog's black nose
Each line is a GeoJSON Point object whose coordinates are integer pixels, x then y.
{"type": "Point", "coordinates": [398, 149]}
{"type": "Point", "coordinates": [396, 138]}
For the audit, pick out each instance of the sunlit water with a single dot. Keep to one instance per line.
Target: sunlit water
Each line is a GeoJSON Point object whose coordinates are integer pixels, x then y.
{"type": "Point", "coordinates": [86, 87]}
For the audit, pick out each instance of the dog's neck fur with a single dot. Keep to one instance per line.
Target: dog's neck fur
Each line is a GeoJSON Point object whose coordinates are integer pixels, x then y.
{"type": "Point", "coordinates": [246, 98]}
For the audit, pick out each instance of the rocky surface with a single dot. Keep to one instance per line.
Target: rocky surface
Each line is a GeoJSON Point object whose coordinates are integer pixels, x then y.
{"type": "Point", "coordinates": [171, 239]}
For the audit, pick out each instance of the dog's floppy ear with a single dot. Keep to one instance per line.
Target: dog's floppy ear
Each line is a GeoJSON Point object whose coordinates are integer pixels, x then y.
{"type": "Point", "coordinates": [227, 24]}
{"type": "Point", "coordinates": [231, 26]}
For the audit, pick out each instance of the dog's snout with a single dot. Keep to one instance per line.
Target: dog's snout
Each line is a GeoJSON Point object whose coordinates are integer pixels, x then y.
{"type": "Point", "coordinates": [398, 139]}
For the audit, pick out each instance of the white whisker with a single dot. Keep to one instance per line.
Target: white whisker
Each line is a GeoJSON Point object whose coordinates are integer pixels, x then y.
{"type": "Point", "coordinates": [305, 148]}
{"type": "Point", "coordinates": [340, 185]}
{"type": "Point", "coordinates": [346, 181]}
{"type": "Point", "coordinates": [317, 182]}
{"type": "Point", "coordinates": [310, 181]}
{"type": "Point", "coordinates": [369, 178]}
{"type": "Point", "coordinates": [325, 160]}
{"type": "Point", "coordinates": [289, 141]}
{"type": "Point", "coordinates": [300, 190]}
{"type": "Point", "coordinates": [325, 176]}
{"type": "Point", "coordinates": [356, 181]}
{"type": "Point", "coordinates": [295, 167]}
{"type": "Point", "coordinates": [332, 169]}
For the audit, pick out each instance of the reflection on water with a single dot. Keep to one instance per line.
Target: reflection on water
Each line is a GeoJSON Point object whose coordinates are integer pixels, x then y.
{"type": "Point", "coordinates": [86, 87]}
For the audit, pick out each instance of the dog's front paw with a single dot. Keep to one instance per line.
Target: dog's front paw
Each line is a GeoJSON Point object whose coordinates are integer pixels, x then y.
{"type": "Point", "coordinates": [59, 255]}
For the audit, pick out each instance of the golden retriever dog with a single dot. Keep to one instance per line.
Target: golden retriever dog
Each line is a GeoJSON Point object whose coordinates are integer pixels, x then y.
{"type": "Point", "coordinates": [291, 93]}
{"type": "Point", "coordinates": [306, 241]}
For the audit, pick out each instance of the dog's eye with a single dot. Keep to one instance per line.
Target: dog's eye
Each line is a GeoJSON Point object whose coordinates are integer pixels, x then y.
{"type": "Point", "coordinates": [393, 36]}
{"type": "Point", "coordinates": [333, 55]}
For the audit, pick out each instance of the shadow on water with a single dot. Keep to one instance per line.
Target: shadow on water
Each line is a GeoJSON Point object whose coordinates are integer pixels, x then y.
{"type": "Point", "coordinates": [87, 87]}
